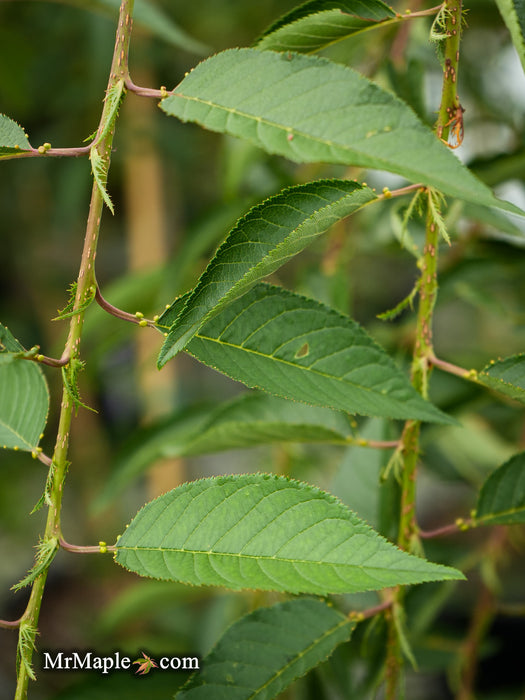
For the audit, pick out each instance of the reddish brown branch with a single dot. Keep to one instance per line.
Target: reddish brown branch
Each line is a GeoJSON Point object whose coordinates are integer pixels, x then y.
{"type": "Point", "coordinates": [388, 194]}
{"type": "Point", "coordinates": [369, 612]}
{"type": "Point", "coordinates": [51, 362]}
{"type": "Point", "coordinates": [44, 458]}
{"type": "Point", "coordinates": [459, 526]}
{"type": "Point", "coordinates": [137, 318]}
{"type": "Point", "coordinates": [146, 92]}
{"type": "Point", "coordinates": [383, 444]}
{"type": "Point", "coordinates": [100, 548]}
{"type": "Point", "coordinates": [8, 625]}
{"type": "Point", "coordinates": [34, 356]}
{"type": "Point", "coordinates": [450, 368]}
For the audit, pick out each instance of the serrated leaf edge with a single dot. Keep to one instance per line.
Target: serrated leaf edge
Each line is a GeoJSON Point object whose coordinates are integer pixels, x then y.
{"type": "Point", "coordinates": [231, 295]}
{"type": "Point", "coordinates": [453, 574]}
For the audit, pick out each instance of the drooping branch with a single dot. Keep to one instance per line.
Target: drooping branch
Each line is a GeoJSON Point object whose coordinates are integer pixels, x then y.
{"type": "Point", "coordinates": [408, 536]}
{"type": "Point", "coordinates": [84, 292]}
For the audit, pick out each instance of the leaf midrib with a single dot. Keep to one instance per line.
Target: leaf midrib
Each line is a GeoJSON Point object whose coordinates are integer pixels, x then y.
{"type": "Point", "coordinates": [274, 358]}
{"type": "Point", "coordinates": [342, 623]}
{"type": "Point", "coordinates": [266, 558]}
{"type": "Point", "coordinates": [499, 380]}
{"type": "Point", "coordinates": [287, 129]}
{"type": "Point", "coordinates": [252, 274]}
{"type": "Point", "coordinates": [14, 432]}
{"type": "Point", "coordinates": [500, 514]}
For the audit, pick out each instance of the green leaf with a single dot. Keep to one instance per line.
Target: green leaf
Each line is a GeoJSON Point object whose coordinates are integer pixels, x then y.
{"type": "Point", "coordinates": [151, 17]}
{"type": "Point", "coordinates": [263, 240]}
{"type": "Point", "coordinates": [246, 421]}
{"type": "Point", "coordinates": [297, 348]}
{"type": "Point", "coordinates": [172, 312]}
{"type": "Point", "coordinates": [319, 23]}
{"type": "Point", "coordinates": [112, 103]}
{"type": "Point", "coordinates": [13, 138]}
{"type": "Point", "coordinates": [146, 15]}
{"type": "Point", "coordinates": [506, 376]}
{"type": "Point", "coordinates": [24, 398]}
{"type": "Point", "coordinates": [120, 686]}
{"type": "Point", "coordinates": [501, 500]}
{"type": "Point", "coordinates": [357, 481]}
{"type": "Point", "coordinates": [149, 444]}
{"type": "Point", "coordinates": [469, 451]}
{"type": "Point", "coordinates": [513, 13]}
{"type": "Point", "coordinates": [47, 548]}
{"type": "Point", "coordinates": [310, 109]}
{"type": "Point", "coordinates": [265, 532]}
{"type": "Point", "coordinates": [70, 374]}
{"type": "Point", "coordinates": [259, 419]}
{"type": "Point", "coordinates": [99, 168]}
{"type": "Point", "coordinates": [26, 645]}
{"type": "Point", "coordinates": [498, 225]}
{"type": "Point", "coordinates": [264, 652]}
{"type": "Point", "coordinates": [99, 164]}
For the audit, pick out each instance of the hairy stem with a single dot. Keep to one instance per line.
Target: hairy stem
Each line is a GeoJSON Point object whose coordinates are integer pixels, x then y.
{"type": "Point", "coordinates": [450, 113]}
{"type": "Point", "coordinates": [483, 615]}
{"type": "Point", "coordinates": [482, 618]}
{"type": "Point", "coordinates": [394, 658]}
{"type": "Point", "coordinates": [450, 109]}
{"type": "Point", "coordinates": [408, 535]}
{"type": "Point", "coordinates": [86, 279]}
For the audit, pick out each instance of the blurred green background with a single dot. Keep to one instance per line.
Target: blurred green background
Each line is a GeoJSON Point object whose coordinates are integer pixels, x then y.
{"type": "Point", "coordinates": [177, 190]}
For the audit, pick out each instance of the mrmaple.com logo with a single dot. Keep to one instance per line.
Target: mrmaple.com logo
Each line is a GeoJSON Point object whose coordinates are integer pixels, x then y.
{"type": "Point", "coordinates": [89, 661]}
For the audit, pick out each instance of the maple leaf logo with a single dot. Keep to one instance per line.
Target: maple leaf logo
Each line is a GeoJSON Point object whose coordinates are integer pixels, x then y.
{"type": "Point", "coordinates": [145, 664]}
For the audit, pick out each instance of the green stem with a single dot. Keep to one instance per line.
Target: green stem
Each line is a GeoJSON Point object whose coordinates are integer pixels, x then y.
{"type": "Point", "coordinates": [450, 114]}
{"type": "Point", "coordinates": [394, 658]}
{"type": "Point", "coordinates": [423, 350]}
{"type": "Point", "coordinates": [450, 110]}
{"type": "Point", "coordinates": [408, 535]}
{"type": "Point", "coordinates": [484, 613]}
{"type": "Point", "coordinates": [86, 280]}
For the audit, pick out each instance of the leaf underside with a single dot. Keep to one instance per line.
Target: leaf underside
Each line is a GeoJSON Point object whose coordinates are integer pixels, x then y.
{"type": "Point", "coordinates": [264, 652]}
{"type": "Point", "coordinates": [513, 13]}
{"type": "Point", "coordinates": [259, 419]}
{"type": "Point", "coordinates": [264, 532]}
{"type": "Point", "coordinates": [357, 482]}
{"type": "Point", "coordinates": [149, 16]}
{"type": "Point", "coordinates": [506, 376]}
{"type": "Point", "coordinates": [13, 138]}
{"type": "Point", "coordinates": [501, 500]}
{"type": "Point", "coordinates": [261, 242]}
{"type": "Point", "coordinates": [246, 421]}
{"type": "Point", "coordinates": [319, 23]}
{"type": "Point", "coordinates": [310, 109]}
{"type": "Point", "coordinates": [260, 340]}
{"type": "Point", "coordinates": [24, 397]}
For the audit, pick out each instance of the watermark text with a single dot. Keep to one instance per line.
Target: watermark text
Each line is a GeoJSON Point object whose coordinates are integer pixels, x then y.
{"type": "Point", "coordinates": [89, 661]}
